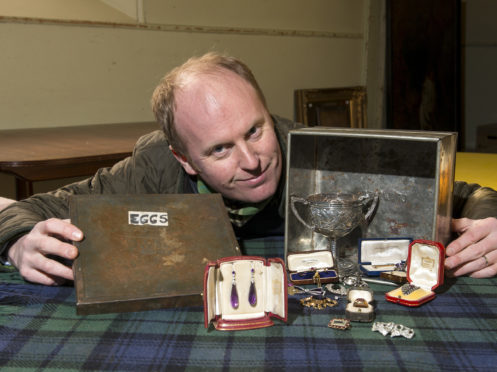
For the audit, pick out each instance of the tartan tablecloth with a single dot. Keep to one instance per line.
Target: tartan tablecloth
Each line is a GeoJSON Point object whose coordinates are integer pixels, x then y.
{"type": "Point", "coordinates": [39, 330]}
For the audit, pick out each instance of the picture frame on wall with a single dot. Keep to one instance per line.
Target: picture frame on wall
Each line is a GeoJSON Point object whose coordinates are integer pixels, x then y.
{"type": "Point", "coordinates": [331, 107]}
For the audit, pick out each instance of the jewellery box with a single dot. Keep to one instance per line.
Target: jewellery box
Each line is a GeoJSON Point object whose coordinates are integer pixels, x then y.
{"type": "Point", "coordinates": [311, 267]}
{"type": "Point", "coordinates": [425, 272]}
{"type": "Point", "coordinates": [396, 276]}
{"type": "Point", "coordinates": [359, 307]}
{"type": "Point", "coordinates": [382, 255]}
{"type": "Point", "coordinates": [244, 292]}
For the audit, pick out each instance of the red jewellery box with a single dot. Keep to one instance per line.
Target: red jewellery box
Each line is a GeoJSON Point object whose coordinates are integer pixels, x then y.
{"type": "Point", "coordinates": [425, 272]}
{"type": "Point", "coordinates": [244, 292]}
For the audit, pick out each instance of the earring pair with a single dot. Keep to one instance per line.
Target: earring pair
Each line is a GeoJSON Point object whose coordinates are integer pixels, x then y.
{"type": "Point", "coordinates": [252, 297]}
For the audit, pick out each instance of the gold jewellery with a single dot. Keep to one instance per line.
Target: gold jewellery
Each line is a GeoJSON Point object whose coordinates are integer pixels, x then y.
{"type": "Point", "coordinates": [360, 302]}
{"type": "Point", "coordinates": [318, 303]}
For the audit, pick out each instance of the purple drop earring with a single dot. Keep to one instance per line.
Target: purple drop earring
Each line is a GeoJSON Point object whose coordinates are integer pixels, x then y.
{"type": "Point", "coordinates": [252, 293]}
{"type": "Point", "coordinates": [234, 292]}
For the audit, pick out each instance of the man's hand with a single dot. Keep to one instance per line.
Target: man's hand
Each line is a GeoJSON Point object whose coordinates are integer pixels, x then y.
{"type": "Point", "coordinates": [474, 252]}
{"type": "Point", "coordinates": [31, 253]}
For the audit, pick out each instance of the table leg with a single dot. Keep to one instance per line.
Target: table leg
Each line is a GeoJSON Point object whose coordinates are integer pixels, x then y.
{"type": "Point", "coordinates": [24, 188]}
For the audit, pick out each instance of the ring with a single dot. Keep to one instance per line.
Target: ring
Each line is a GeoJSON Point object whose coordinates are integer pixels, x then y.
{"type": "Point", "coordinates": [485, 258]}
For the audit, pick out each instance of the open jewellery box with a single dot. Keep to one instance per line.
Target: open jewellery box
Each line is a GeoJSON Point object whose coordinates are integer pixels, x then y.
{"type": "Point", "coordinates": [359, 305]}
{"type": "Point", "coordinates": [311, 267]}
{"type": "Point", "coordinates": [244, 292]}
{"type": "Point", "coordinates": [425, 272]}
{"type": "Point", "coordinates": [382, 257]}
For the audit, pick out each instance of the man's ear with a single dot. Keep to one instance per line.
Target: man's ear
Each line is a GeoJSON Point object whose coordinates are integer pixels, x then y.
{"type": "Point", "coordinates": [184, 162]}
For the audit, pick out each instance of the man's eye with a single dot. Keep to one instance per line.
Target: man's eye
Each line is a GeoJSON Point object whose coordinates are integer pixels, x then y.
{"type": "Point", "coordinates": [254, 131]}
{"type": "Point", "coordinates": [219, 150]}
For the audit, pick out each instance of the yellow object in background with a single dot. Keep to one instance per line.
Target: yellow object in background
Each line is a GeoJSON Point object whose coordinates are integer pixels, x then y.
{"type": "Point", "coordinates": [475, 167]}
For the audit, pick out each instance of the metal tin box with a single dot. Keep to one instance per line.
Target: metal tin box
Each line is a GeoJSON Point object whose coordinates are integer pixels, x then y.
{"type": "Point", "coordinates": [146, 252]}
{"type": "Point", "coordinates": [411, 171]}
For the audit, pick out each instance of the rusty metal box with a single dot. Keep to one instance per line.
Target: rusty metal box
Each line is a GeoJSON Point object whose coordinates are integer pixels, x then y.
{"type": "Point", "coordinates": [411, 171]}
{"type": "Point", "coordinates": [144, 252]}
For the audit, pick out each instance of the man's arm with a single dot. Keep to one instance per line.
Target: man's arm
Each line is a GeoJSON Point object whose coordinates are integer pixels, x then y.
{"type": "Point", "coordinates": [34, 238]}
{"type": "Point", "coordinates": [474, 251]}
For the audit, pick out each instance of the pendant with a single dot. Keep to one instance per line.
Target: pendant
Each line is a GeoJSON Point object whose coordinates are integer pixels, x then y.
{"type": "Point", "coordinates": [234, 293]}
{"type": "Point", "coordinates": [252, 293]}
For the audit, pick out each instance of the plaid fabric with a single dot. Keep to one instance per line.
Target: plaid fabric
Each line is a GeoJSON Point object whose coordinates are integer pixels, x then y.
{"type": "Point", "coordinates": [40, 330]}
{"type": "Point", "coordinates": [264, 247]}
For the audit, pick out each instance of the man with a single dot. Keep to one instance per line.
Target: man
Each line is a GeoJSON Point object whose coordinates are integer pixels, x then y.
{"type": "Point", "coordinates": [218, 137]}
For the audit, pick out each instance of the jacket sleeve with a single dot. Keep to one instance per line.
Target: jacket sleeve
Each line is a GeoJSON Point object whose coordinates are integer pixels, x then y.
{"type": "Point", "coordinates": [150, 169]}
{"type": "Point", "coordinates": [473, 201]}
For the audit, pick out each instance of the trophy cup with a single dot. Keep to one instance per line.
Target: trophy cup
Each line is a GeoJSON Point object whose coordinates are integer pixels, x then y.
{"type": "Point", "coordinates": [335, 215]}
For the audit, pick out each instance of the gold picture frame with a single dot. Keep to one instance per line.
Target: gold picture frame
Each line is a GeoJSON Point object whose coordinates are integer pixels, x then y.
{"type": "Point", "coordinates": [331, 107]}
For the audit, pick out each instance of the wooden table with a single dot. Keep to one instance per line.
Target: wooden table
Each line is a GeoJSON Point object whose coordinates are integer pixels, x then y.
{"type": "Point", "coordinates": [52, 153]}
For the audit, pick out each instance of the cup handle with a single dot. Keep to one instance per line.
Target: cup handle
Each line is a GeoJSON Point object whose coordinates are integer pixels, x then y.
{"type": "Point", "coordinates": [296, 199]}
{"type": "Point", "coordinates": [372, 208]}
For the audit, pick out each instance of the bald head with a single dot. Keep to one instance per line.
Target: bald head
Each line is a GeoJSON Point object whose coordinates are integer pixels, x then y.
{"type": "Point", "coordinates": [187, 77]}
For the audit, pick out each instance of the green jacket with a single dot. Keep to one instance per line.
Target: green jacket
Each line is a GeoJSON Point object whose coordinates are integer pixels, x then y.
{"type": "Point", "coordinates": [152, 169]}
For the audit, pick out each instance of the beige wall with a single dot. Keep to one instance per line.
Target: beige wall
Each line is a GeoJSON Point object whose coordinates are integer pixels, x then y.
{"type": "Point", "coordinates": [58, 70]}
{"type": "Point", "coordinates": [72, 74]}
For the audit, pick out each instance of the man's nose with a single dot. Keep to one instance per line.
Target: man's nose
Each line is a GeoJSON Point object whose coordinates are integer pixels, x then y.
{"type": "Point", "coordinates": [248, 157]}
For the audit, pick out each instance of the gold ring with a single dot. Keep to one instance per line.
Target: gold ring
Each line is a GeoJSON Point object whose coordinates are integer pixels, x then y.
{"type": "Point", "coordinates": [485, 258]}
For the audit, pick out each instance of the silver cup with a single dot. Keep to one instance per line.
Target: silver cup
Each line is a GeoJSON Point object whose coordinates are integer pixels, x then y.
{"type": "Point", "coordinates": [335, 215]}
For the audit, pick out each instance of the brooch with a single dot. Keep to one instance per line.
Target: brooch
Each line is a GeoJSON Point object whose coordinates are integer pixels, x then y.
{"type": "Point", "coordinates": [318, 303]}
{"type": "Point", "coordinates": [393, 329]}
{"type": "Point", "coordinates": [354, 281]}
{"type": "Point", "coordinates": [339, 323]}
{"type": "Point", "coordinates": [337, 289]}
{"type": "Point", "coordinates": [408, 288]}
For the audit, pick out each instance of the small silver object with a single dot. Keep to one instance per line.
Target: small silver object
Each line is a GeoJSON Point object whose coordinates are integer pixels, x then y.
{"type": "Point", "coordinates": [350, 280]}
{"type": "Point", "coordinates": [400, 330]}
{"type": "Point", "coordinates": [408, 332]}
{"type": "Point", "coordinates": [336, 289]}
{"type": "Point", "coordinates": [354, 281]}
{"type": "Point", "coordinates": [401, 266]}
{"type": "Point", "coordinates": [393, 329]}
{"type": "Point", "coordinates": [378, 281]}
{"type": "Point", "coordinates": [408, 288]}
{"type": "Point", "coordinates": [318, 291]}
{"type": "Point", "coordinates": [396, 331]}
{"type": "Point", "coordinates": [383, 328]}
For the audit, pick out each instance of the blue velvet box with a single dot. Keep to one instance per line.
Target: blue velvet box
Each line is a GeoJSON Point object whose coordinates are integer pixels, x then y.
{"type": "Point", "coordinates": [381, 255]}
{"type": "Point", "coordinates": [309, 267]}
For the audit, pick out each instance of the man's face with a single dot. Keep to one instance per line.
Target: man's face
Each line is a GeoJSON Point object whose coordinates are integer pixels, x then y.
{"type": "Point", "coordinates": [229, 137]}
